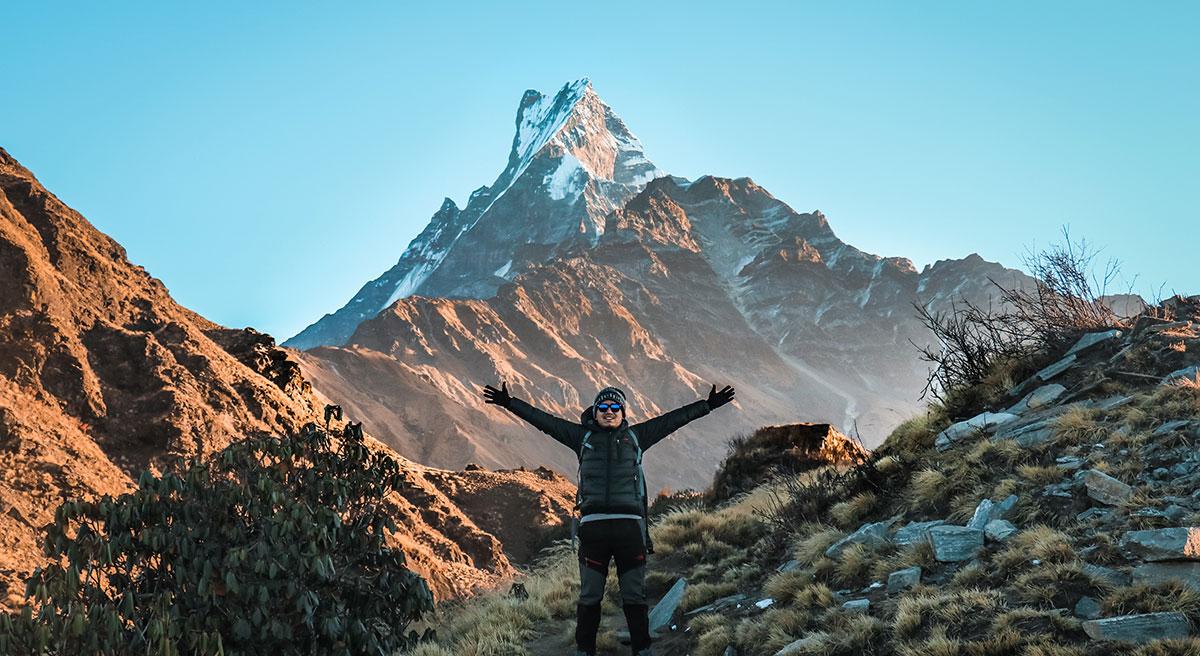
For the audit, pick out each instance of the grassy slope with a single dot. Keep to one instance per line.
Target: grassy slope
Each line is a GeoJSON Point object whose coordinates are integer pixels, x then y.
{"type": "Point", "coordinates": [1016, 597]}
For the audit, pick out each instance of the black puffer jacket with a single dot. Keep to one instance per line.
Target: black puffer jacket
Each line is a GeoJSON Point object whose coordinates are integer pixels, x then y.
{"type": "Point", "coordinates": [611, 480]}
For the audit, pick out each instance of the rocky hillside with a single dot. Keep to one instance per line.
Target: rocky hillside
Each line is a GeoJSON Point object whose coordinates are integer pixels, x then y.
{"type": "Point", "coordinates": [1056, 516]}
{"type": "Point", "coordinates": [103, 374]}
{"type": "Point", "coordinates": [583, 265]}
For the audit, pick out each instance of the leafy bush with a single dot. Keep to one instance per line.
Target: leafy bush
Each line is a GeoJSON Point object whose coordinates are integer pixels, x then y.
{"type": "Point", "coordinates": [274, 545]}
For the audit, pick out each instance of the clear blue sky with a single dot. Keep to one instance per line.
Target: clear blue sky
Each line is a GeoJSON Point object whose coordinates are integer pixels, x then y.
{"type": "Point", "coordinates": [265, 161]}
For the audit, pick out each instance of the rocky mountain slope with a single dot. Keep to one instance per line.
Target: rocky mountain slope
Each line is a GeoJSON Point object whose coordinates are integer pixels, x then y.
{"type": "Point", "coordinates": [1056, 514]}
{"type": "Point", "coordinates": [103, 374]}
{"type": "Point", "coordinates": [656, 284]}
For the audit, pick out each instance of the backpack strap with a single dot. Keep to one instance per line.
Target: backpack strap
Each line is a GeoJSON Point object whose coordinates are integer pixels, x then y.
{"type": "Point", "coordinates": [645, 521]}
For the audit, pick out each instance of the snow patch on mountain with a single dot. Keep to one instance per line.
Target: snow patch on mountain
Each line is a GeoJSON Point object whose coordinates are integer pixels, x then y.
{"type": "Point", "coordinates": [567, 180]}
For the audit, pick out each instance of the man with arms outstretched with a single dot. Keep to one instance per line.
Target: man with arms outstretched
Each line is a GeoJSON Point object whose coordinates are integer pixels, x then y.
{"type": "Point", "coordinates": [611, 498]}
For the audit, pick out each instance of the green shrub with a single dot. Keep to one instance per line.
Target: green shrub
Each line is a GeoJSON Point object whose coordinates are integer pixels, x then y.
{"type": "Point", "coordinates": [274, 545]}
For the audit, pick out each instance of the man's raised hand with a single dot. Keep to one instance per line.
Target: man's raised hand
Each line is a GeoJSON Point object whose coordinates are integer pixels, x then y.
{"type": "Point", "coordinates": [717, 399]}
{"type": "Point", "coordinates": [499, 397]}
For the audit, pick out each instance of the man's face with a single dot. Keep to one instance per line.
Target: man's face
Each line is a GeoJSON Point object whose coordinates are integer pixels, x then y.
{"type": "Point", "coordinates": [608, 414]}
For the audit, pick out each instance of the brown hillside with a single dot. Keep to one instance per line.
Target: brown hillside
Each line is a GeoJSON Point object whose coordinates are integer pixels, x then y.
{"type": "Point", "coordinates": [103, 374]}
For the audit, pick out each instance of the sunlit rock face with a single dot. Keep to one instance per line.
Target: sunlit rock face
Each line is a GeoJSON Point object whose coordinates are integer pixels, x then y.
{"type": "Point", "coordinates": [584, 265]}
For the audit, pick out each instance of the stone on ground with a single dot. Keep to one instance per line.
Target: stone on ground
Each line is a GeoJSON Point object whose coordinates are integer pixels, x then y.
{"type": "Point", "coordinates": [1139, 629]}
{"type": "Point", "coordinates": [952, 544]}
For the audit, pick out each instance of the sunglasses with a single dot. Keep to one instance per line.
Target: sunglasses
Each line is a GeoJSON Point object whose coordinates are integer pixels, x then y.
{"type": "Point", "coordinates": [605, 407]}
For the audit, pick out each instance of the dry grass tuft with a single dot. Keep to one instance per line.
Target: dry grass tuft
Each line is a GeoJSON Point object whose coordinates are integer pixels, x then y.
{"type": "Point", "coordinates": [1179, 647]}
{"type": "Point", "coordinates": [1042, 543]}
{"type": "Point", "coordinates": [1170, 596]}
{"type": "Point", "coordinates": [699, 594]}
{"type": "Point", "coordinates": [1055, 586]}
{"type": "Point", "coordinates": [812, 546]}
{"type": "Point", "coordinates": [954, 613]}
{"type": "Point", "coordinates": [1078, 426]}
{"type": "Point", "coordinates": [771, 631]}
{"type": "Point", "coordinates": [919, 553]}
{"type": "Point", "coordinates": [929, 490]}
{"type": "Point", "coordinates": [853, 568]}
{"type": "Point", "coordinates": [916, 435]}
{"type": "Point", "coordinates": [850, 513]}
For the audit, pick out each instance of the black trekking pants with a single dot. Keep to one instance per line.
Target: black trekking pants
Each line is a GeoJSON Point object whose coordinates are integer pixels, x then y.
{"type": "Point", "coordinates": [600, 541]}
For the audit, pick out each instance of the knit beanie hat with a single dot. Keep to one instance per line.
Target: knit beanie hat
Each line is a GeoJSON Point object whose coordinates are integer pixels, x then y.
{"type": "Point", "coordinates": [610, 394]}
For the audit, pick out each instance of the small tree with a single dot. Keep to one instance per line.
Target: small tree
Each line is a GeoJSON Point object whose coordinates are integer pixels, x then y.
{"type": "Point", "coordinates": [272, 546]}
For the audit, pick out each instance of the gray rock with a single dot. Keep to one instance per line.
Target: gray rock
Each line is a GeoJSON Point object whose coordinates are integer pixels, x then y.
{"type": "Point", "coordinates": [1087, 608]}
{"type": "Point", "coordinates": [981, 424]}
{"type": "Point", "coordinates": [1168, 326]}
{"type": "Point", "coordinates": [952, 544]}
{"type": "Point", "coordinates": [1163, 543]}
{"type": "Point", "coordinates": [1176, 513]}
{"type": "Point", "coordinates": [1069, 463]}
{"type": "Point", "coordinates": [732, 601]}
{"type": "Point", "coordinates": [999, 530]}
{"type": "Point", "coordinates": [915, 532]}
{"type": "Point", "coordinates": [1187, 573]}
{"type": "Point", "coordinates": [1171, 427]}
{"type": "Point", "coordinates": [903, 579]}
{"type": "Point", "coordinates": [1094, 513]}
{"type": "Point", "coordinates": [664, 610]}
{"type": "Point", "coordinates": [1149, 513]}
{"type": "Point", "coordinates": [857, 606]}
{"type": "Point", "coordinates": [1112, 576]}
{"type": "Point", "coordinates": [1056, 368]}
{"type": "Point", "coordinates": [1038, 398]}
{"type": "Point", "coordinates": [1091, 339]}
{"type": "Point", "coordinates": [811, 640]}
{"type": "Point", "coordinates": [1104, 488]}
{"type": "Point", "coordinates": [788, 566]}
{"type": "Point", "coordinates": [1111, 403]}
{"type": "Point", "coordinates": [872, 535]}
{"type": "Point", "coordinates": [1030, 434]}
{"type": "Point", "coordinates": [1139, 629]}
{"type": "Point", "coordinates": [987, 511]}
{"type": "Point", "coordinates": [1187, 373]}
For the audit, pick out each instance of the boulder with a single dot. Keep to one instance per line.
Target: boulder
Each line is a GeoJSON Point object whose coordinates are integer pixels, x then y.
{"type": "Point", "coordinates": [952, 544]}
{"type": "Point", "coordinates": [1056, 368]}
{"type": "Point", "coordinates": [980, 424]}
{"type": "Point", "coordinates": [1187, 573]}
{"type": "Point", "coordinates": [1139, 629]}
{"type": "Point", "coordinates": [1104, 488]}
{"type": "Point", "coordinates": [999, 530]}
{"type": "Point", "coordinates": [903, 579]}
{"type": "Point", "coordinates": [664, 610]}
{"type": "Point", "coordinates": [1091, 339]}
{"type": "Point", "coordinates": [1038, 398]}
{"type": "Point", "coordinates": [987, 511]}
{"type": "Point", "coordinates": [1087, 608]}
{"type": "Point", "coordinates": [857, 606]}
{"type": "Point", "coordinates": [872, 534]}
{"type": "Point", "coordinates": [1163, 543]}
{"type": "Point", "coordinates": [915, 532]}
{"type": "Point", "coordinates": [1030, 434]}
{"type": "Point", "coordinates": [1112, 576]}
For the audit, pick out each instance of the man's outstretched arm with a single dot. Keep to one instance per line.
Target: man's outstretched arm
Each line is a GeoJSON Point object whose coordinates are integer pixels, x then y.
{"type": "Point", "coordinates": [561, 430]}
{"type": "Point", "coordinates": [653, 431]}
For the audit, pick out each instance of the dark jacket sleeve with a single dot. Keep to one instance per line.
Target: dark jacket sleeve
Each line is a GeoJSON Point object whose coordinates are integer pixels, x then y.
{"type": "Point", "coordinates": [565, 432]}
{"type": "Point", "coordinates": [652, 431]}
